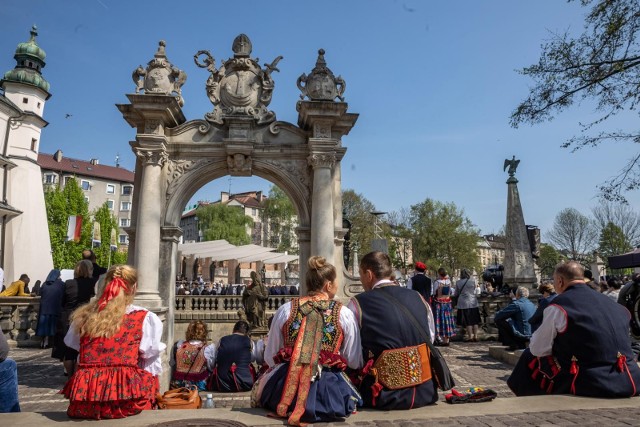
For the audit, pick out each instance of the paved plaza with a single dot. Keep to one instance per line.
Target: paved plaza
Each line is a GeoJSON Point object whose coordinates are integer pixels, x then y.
{"type": "Point", "coordinates": [40, 378]}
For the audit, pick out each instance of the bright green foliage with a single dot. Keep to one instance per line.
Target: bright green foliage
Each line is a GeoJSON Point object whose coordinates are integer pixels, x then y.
{"type": "Point", "coordinates": [60, 204]}
{"type": "Point", "coordinates": [549, 258]}
{"type": "Point", "coordinates": [224, 222]}
{"type": "Point", "coordinates": [279, 218]}
{"type": "Point", "coordinates": [357, 209]}
{"type": "Point", "coordinates": [107, 221]}
{"type": "Point", "coordinates": [613, 241]}
{"type": "Point", "coordinates": [444, 237]}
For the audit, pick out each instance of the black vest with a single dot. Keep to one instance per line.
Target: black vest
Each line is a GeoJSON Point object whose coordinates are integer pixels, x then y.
{"type": "Point", "coordinates": [383, 326]}
{"type": "Point", "coordinates": [234, 349]}
{"type": "Point", "coordinates": [597, 330]}
{"type": "Point", "coordinates": [421, 284]}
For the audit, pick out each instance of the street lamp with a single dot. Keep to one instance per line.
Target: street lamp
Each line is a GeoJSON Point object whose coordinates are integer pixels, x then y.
{"type": "Point", "coordinates": [378, 243]}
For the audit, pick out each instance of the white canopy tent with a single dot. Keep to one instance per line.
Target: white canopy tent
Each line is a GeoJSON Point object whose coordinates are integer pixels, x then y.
{"type": "Point", "coordinates": [221, 250]}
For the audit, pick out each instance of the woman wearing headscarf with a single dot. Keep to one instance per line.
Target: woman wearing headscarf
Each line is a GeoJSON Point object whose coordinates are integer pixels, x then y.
{"type": "Point", "coordinates": [51, 294]}
{"type": "Point", "coordinates": [119, 345]}
{"type": "Point", "coordinates": [311, 342]}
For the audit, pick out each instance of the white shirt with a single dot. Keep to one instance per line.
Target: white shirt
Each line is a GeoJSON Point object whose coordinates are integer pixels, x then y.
{"type": "Point", "coordinates": [432, 327]}
{"type": "Point", "coordinates": [150, 346]}
{"type": "Point", "coordinates": [350, 349]}
{"type": "Point", "coordinates": [554, 321]}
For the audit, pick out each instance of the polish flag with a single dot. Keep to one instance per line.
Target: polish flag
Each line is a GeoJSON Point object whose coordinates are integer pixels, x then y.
{"type": "Point", "coordinates": [74, 228]}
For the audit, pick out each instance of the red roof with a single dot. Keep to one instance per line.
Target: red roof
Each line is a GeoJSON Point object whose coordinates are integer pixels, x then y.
{"type": "Point", "coordinates": [84, 168]}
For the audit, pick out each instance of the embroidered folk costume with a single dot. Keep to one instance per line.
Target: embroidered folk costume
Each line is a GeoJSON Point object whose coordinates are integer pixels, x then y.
{"type": "Point", "coordinates": [191, 364]}
{"type": "Point", "coordinates": [579, 350]}
{"type": "Point", "coordinates": [116, 376]}
{"type": "Point", "coordinates": [311, 342]}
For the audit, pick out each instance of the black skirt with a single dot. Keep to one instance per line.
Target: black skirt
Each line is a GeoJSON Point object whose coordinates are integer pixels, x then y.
{"type": "Point", "coordinates": [468, 316]}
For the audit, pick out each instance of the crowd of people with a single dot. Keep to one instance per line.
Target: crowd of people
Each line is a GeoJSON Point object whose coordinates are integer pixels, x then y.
{"type": "Point", "coordinates": [201, 287]}
{"type": "Point", "coordinates": [321, 359]}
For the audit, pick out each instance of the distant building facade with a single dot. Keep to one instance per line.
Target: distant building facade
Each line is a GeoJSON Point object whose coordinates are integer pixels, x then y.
{"type": "Point", "coordinates": [99, 183]}
{"type": "Point", "coordinates": [25, 246]}
{"type": "Point", "coordinates": [491, 249]}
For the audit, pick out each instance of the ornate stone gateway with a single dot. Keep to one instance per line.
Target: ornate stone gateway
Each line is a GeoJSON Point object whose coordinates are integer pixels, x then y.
{"type": "Point", "coordinates": [239, 137]}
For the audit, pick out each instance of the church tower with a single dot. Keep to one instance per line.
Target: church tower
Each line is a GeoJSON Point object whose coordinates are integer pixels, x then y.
{"type": "Point", "coordinates": [25, 246]}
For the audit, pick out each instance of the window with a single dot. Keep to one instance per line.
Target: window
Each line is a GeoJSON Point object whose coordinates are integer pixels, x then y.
{"type": "Point", "coordinates": [49, 178]}
{"type": "Point", "coordinates": [85, 185]}
{"type": "Point", "coordinates": [127, 190]}
{"type": "Point", "coordinates": [110, 204]}
{"type": "Point", "coordinates": [253, 211]}
{"type": "Point", "coordinates": [123, 239]}
{"type": "Point", "coordinates": [111, 189]}
{"type": "Point", "coordinates": [34, 144]}
{"type": "Point", "coordinates": [66, 179]}
{"type": "Point", "coordinates": [125, 206]}
{"type": "Point", "coordinates": [86, 199]}
{"type": "Point", "coordinates": [124, 222]}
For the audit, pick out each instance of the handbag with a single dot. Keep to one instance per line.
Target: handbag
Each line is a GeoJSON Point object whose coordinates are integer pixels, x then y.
{"type": "Point", "coordinates": [439, 367]}
{"type": "Point", "coordinates": [454, 298]}
{"type": "Point", "coordinates": [180, 398]}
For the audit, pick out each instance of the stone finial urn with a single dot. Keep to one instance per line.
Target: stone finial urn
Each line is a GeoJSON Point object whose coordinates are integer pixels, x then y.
{"type": "Point", "coordinates": [321, 84]}
{"type": "Point", "coordinates": [160, 77]}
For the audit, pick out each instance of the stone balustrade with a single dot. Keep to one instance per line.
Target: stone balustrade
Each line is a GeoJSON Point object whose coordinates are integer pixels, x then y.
{"type": "Point", "coordinates": [19, 320]}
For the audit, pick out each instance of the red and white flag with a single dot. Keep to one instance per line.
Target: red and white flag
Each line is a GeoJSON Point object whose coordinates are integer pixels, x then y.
{"type": "Point", "coordinates": [74, 228]}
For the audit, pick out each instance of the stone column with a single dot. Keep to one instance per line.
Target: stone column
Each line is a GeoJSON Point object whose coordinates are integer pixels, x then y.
{"type": "Point", "coordinates": [147, 247]}
{"type": "Point", "coordinates": [322, 224]}
{"type": "Point", "coordinates": [304, 240]}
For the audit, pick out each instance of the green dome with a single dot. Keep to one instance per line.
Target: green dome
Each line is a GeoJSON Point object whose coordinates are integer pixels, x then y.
{"type": "Point", "coordinates": [29, 62]}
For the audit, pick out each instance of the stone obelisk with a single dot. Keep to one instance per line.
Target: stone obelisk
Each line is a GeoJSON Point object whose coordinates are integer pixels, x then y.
{"type": "Point", "coordinates": [518, 261]}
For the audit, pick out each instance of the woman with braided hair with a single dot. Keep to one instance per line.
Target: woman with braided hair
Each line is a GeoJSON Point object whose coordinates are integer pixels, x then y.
{"type": "Point", "coordinates": [312, 340]}
{"type": "Point", "coordinates": [119, 344]}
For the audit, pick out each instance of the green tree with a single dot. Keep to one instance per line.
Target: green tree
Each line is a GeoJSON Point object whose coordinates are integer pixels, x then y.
{"type": "Point", "coordinates": [549, 258]}
{"type": "Point", "coordinates": [357, 209]}
{"type": "Point", "coordinates": [574, 233]}
{"type": "Point", "coordinates": [279, 218]}
{"type": "Point", "coordinates": [60, 204]}
{"type": "Point", "coordinates": [443, 236]}
{"type": "Point", "coordinates": [224, 222]}
{"type": "Point", "coordinates": [603, 65]}
{"type": "Point", "coordinates": [400, 237]}
{"type": "Point", "coordinates": [107, 222]}
{"type": "Point", "coordinates": [613, 241]}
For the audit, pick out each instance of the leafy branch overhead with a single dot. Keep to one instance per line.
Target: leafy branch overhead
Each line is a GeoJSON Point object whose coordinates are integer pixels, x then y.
{"type": "Point", "coordinates": [601, 65]}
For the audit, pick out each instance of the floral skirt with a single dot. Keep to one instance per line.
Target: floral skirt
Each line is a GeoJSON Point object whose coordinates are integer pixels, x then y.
{"type": "Point", "coordinates": [445, 324]}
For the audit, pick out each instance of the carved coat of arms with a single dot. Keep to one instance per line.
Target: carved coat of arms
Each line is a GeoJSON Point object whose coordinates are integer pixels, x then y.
{"type": "Point", "coordinates": [240, 86]}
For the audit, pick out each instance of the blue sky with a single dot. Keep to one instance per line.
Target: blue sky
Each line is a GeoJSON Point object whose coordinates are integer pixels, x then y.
{"type": "Point", "coordinates": [434, 83]}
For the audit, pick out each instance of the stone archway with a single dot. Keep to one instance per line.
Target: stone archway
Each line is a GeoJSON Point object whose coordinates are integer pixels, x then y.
{"type": "Point", "coordinates": [240, 137]}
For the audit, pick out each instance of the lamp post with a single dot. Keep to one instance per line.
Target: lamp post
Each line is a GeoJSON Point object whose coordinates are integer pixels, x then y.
{"type": "Point", "coordinates": [378, 243]}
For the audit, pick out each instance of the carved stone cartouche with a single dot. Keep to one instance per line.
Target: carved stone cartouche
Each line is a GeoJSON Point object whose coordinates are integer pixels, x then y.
{"type": "Point", "coordinates": [321, 84]}
{"type": "Point", "coordinates": [160, 77]}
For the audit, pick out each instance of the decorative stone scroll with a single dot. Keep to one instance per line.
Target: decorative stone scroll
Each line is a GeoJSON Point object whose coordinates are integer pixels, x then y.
{"type": "Point", "coordinates": [151, 157]}
{"type": "Point", "coordinates": [177, 168]}
{"type": "Point", "coordinates": [160, 76]}
{"type": "Point", "coordinates": [240, 87]}
{"type": "Point", "coordinates": [322, 160]}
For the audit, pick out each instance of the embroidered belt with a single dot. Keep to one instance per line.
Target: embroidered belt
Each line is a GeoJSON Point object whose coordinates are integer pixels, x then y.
{"type": "Point", "coordinates": [403, 367]}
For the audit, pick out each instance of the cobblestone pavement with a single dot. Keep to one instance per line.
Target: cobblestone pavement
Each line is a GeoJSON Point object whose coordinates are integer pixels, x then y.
{"type": "Point", "coordinates": [40, 377]}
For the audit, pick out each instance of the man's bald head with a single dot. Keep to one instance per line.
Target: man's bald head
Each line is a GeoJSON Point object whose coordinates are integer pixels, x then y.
{"type": "Point", "coordinates": [566, 274]}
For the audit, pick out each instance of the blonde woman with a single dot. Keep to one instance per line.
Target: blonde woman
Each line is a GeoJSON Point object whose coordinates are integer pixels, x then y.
{"type": "Point", "coordinates": [119, 345]}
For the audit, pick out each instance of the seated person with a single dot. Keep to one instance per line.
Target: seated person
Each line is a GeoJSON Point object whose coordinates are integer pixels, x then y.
{"type": "Point", "coordinates": [575, 351]}
{"type": "Point", "coordinates": [8, 379]}
{"type": "Point", "coordinates": [17, 288]}
{"type": "Point", "coordinates": [192, 359]}
{"type": "Point", "coordinates": [232, 369]}
{"type": "Point", "coordinates": [548, 294]}
{"type": "Point", "coordinates": [513, 320]}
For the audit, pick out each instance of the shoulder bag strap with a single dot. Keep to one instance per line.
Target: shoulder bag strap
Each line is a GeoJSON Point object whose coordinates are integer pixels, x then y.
{"type": "Point", "coordinates": [410, 316]}
{"type": "Point", "coordinates": [465, 284]}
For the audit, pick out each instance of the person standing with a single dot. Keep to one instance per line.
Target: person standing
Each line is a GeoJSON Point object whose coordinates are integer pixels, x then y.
{"type": "Point", "coordinates": [98, 271]}
{"type": "Point", "coordinates": [77, 291]}
{"type": "Point", "coordinates": [51, 295]}
{"type": "Point", "coordinates": [119, 345]}
{"type": "Point", "coordinates": [442, 291]}
{"type": "Point", "coordinates": [16, 289]}
{"type": "Point", "coordinates": [420, 282]}
{"type": "Point", "coordinates": [468, 315]}
{"type": "Point", "coordinates": [312, 340]}
{"type": "Point", "coordinates": [384, 332]}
